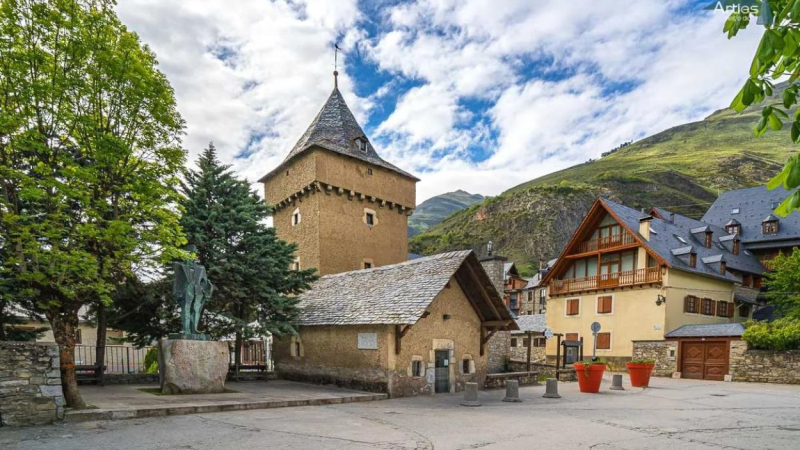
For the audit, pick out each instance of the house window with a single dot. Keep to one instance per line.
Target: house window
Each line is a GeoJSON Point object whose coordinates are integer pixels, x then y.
{"type": "Point", "coordinates": [722, 309]}
{"type": "Point", "coordinates": [709, 236]}
{"type": "Point", "coordinates": [369, 171]}
{"type": "Point", "coordinates": [744, 311]}
{"type": "Point", "coordinates": [573, 306]}
{"type": "Point", "coordinates": [539, 342]}
{"type": "Point", "coordinates": [296, 217]}
{"type": "Point", "coordinates": [513, 342]}
{"type": "Point", "coordinates": [733, 229]}
{"type": "Point", "coordinates": [770, 227]}
{"type": "Point", "coordinates": [416, 368]}
{"type": "Point", "coordinates": [367, 265]}
{"type": "Point", "coordinates": [78, 337]}
{"type": "Point", "coordinates": [604, 304]}
{"type": "Point", "coordinates": [735, 211]}
{"type": "Point", "coordinates": [708, 307]}
{"type": "Point", "coordinates": [572, 337]}
{"type": "Point", "coordinates": [691, 304]}
{"type": "Point", "coordinates": [693, 259]}
{"type": "Point", "coordinates": [370, 219]}
{"type": "Point", "coordinates": [723, 266]}
{"type": "Point", "coordinates": [465, 366]}
{"type": "Point", "coordinates": [362, 144]}
{"type": "Point", "coordinates": [736, 247]}
{"type": "Point", "coordinates": [296, 264]}
{"type": "Point", "coordinates": [525, 342]}
{"type": "Point", "coordinates": [604, 341]}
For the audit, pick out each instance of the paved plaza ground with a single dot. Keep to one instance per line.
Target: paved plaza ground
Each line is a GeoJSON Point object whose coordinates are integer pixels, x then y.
{"type": "Point", "coordinates": [673, 414]}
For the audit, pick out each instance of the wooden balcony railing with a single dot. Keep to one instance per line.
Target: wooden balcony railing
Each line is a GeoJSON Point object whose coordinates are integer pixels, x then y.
{"type": "Point", "coordinates": [609, 280]}
{"type": "Point", "coordinates": [605, 243]}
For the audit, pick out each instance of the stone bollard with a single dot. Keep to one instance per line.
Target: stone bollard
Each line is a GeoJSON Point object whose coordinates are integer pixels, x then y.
{"type": "Point", "coordinates": [616, 382]}
{"type": "Point", "coordinates": [471, 395]}
{"type": "Point", "coordinates": [551, 391]}
{"type": "Point", "coordinates": [512, 391]}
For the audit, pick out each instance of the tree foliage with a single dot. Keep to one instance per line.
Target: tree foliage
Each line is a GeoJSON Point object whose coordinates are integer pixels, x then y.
{"type": "Point", "coordinates": [89, 158]}
{"type": "Point", "coordinates": [782, 334]}
{"type": "Point", "coordinates": [254, 286]}
{"type": "Point", "coordinates": [777, 57]}
{"type": "Point", "coordinates": [783, 284]}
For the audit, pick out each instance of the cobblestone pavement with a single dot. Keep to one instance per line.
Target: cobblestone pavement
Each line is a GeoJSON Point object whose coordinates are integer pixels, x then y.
{"type": "Point", "coordinates": [672, 414]}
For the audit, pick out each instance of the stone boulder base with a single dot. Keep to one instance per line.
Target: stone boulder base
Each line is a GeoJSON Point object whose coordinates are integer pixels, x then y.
{"type": "Point", "coordinates": [193, 367]}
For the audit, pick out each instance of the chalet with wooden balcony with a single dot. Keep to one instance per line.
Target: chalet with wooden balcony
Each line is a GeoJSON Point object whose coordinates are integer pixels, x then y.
{"type": "Point", "coordinates": [641, 275]}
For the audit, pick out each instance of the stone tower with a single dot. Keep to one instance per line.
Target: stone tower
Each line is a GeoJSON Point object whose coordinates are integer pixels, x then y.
{"type": "Point", "coordinates": [345, 207]}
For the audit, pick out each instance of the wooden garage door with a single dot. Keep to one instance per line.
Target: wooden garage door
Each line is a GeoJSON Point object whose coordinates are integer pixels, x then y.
{"type": "Point", "coordinates": [704, 360]}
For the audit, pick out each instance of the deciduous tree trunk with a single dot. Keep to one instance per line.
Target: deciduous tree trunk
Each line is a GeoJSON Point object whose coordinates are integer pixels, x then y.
{"type": "Point", "coordinates": [100, 355]}
{"type": "Point", "coordinates": [64, 333]}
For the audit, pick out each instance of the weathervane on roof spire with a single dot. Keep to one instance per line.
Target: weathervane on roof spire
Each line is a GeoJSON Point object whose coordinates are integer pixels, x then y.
{"type": "Point", "coordinates": [335, 65]}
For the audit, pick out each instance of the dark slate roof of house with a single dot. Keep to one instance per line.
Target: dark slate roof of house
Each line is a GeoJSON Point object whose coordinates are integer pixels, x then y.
{"type": "Point", "coordinates": [395, 294]}
{"type": "Point", "coordinates": [707, 330]}
{"type": "Point", "coordinates": [754, 205]}
{"type": "Point", "coordinates": [336, 129]}
{"type": "Point", "coordinates": [664, 241]}
{"type": "Point", "coordinates": [535, 323]}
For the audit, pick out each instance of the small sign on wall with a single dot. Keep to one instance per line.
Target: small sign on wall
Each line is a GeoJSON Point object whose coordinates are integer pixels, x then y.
{"type": "Point", "coordinates": [367, 341]}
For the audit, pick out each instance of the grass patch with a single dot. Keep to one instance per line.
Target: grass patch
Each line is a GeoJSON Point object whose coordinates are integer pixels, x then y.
{"type": "Point", "coordinates": [157, 391]}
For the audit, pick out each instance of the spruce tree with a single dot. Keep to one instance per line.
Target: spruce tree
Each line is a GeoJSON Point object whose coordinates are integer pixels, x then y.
{"type": "Point", "coordinates": [254, 285]}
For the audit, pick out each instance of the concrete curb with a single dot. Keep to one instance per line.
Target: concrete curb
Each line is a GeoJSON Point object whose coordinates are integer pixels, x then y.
{"type": "Point", "coordinates": [87, 415]}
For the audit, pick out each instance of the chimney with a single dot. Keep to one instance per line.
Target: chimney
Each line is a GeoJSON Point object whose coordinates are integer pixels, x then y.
{"type": "Point", "coordinates": [644, 227]}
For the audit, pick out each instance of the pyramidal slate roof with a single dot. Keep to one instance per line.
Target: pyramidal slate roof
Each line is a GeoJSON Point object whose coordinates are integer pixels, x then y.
{"type": "Point", "coordinates": [395, 294]}
{"type": "Point", "coordinates": [750, 206]}
{"type": "Point", "coordinates": [336, 129]}
{"type": "Point", "coordinates": [535, 323]}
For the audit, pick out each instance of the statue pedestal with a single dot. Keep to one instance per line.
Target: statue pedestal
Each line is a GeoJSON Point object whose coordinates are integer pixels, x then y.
{"type": "Point", "coordinates": [192, 367]}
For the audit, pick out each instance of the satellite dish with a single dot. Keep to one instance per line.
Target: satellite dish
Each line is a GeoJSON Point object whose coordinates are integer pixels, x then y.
{"type": "Point", "coordinates": [548, 333]}
{"type": "Point", "coordinates": [595, 327]}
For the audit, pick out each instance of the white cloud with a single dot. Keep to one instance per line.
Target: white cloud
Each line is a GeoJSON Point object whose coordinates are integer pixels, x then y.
{"type": "Point", "coordinates": [251, 74]}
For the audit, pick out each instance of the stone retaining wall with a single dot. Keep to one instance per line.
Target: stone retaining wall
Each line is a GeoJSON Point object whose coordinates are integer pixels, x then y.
{"type": "Point", "coordinates": [521, 353]}
{"type": "Point", "coordinates": [498, 380]}
{"type": "Point", "coordinates": [663, 352]}
{"type": "Point", "coordinates": [764, 366]}
{"type": "Point", "coordinates": [30, 384]}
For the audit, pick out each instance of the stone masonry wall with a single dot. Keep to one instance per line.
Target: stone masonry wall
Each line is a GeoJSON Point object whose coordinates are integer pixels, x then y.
{"type": "Point", "coordinates": [499, 345]}
{"type": "Point", "coordinates": [30, 384]}
{"type": "Point", "coordinates": [764, 366]}
{"type": "Point", "coordinates": [664, 352]}
{"type": "Point", "coordinates": [520, 353]}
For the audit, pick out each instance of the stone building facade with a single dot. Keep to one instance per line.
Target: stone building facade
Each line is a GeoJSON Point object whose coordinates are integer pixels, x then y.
{"type": "Point", "coordinates": [30, 384]}
{"type": "Point", "coordinates": [333, 195]}
{"type": "Point", "coordinates": [500, 343]}
{"type": "Point", "coordinates": [412, 328]}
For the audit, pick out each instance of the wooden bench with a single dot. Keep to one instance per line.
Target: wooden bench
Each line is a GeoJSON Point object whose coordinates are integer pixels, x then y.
{"type": "Point", "coordinates": [89, 373]}
{"type": "Point", "coordinates": [248, 369]}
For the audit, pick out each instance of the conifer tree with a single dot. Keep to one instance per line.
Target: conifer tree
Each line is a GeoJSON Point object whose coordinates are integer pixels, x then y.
{"type": "Point", "coordinates": [254, 285]}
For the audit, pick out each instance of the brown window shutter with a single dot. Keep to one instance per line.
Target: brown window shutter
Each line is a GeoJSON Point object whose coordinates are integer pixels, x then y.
{"type": "Point", "coordinates": [731, 307]}
{"type": "Point", "coordinates": [686, 302]}
{"type": "Point", "coordinates": [603, 341]}
{"type": "Point", "coordinates": [571, 337]}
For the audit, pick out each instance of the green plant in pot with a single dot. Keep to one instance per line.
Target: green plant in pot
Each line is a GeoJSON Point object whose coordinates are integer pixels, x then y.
{"type": "Point", "coordinates": [640, 370]}
{"type": "Point", "coordinates": [590, 375]}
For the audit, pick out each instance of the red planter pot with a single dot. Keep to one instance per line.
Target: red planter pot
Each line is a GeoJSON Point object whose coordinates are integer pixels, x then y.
{"type": "Point", "coordinates": [589, 377]}
{"type": "Point", "coordinates": [640, 373]}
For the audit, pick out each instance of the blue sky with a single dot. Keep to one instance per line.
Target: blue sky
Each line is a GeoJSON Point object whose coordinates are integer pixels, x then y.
{"type": "Point", "coordinates": [479, 95]}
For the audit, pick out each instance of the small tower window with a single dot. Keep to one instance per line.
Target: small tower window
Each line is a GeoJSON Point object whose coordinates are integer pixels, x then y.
{"type": "Point", "coordinates": [296, 264]}
{"type": "Point", "coordinates": [370, 219]}
{"type": "Point", "coordinates": [722, 267]}
{"type": "Point", "coordinates": [736, 247]}
{"type": "Point", "coordinates": [362, 144]}
{"type": "Point", "coordinates": [733, 229]}
{"type": "Point", "coordinates": [369, 171]}
{"type": "Point", "coordinates": [709, 235]}
{"type": "Point", "coordinates": [693, 259]}
{"type": "Point", "coordinates": [296, 217]}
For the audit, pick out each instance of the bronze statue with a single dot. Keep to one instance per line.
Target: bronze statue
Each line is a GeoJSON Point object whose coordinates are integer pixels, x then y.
{"type": "Point", "coordinates": [191, 290]}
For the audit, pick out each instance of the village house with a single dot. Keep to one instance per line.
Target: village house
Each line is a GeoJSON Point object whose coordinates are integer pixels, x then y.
{"type": "Point", "coordinates": [513, 284]}
{"type": "Point", "coordinates": [417, 327]}
{"type": "Point", "coordinates": [376, 320]}
{"type": "Point", "coordinates": [641, 276]}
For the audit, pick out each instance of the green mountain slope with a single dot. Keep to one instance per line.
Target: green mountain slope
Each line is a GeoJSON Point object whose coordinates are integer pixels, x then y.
{"type": "Point", "coordinates": [435, 209]}
{"type": "Point", "coordinates": [682, 169]}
